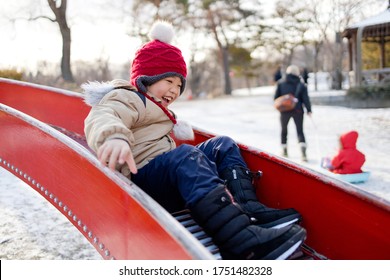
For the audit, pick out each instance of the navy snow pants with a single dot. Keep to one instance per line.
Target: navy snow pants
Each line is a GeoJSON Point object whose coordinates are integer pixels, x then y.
{"type": "Point", "coordinates": [181, 177]}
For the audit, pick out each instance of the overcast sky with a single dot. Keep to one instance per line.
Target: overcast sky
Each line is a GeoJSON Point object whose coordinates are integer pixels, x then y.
{"type": "Point", "coordinates": [26, 42]}
{"type": "Point", "coordinates": [96, 33]}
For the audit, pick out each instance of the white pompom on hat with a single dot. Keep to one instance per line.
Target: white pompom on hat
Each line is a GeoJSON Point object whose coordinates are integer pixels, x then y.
{"type": "Point", "coordinates": [162, 31]}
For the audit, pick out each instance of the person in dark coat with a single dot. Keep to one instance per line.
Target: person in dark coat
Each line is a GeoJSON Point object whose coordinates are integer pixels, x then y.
{"type": "Point", "coordinates": [293, 84]}
{"type": "Point", "coordinates": [305, 75]}
{"type": "Point", "coordinates": [278, 74]}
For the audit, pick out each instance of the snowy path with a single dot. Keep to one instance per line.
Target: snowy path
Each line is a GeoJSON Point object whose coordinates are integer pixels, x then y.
{"type": "Point", "coordinates": [253, 121]}
{"type": "Point", "coordinates": [30, 228]}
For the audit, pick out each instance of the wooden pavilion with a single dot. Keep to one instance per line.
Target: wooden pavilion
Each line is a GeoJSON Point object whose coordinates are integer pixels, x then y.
{"type": "Point", "coordinates": [375, 29]}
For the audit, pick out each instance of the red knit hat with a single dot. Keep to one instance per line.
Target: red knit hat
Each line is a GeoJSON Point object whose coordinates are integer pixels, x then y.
{"type": "Point", "coordinates": [158, 59]}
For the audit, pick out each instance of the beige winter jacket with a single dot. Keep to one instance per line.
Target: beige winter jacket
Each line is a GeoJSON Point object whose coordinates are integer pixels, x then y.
{"type": "Point", "coordinates": [121, 113]}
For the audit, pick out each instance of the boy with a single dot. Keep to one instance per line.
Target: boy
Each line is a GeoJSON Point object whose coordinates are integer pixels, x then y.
{"type": "Point", "coordinates": [129, 127]}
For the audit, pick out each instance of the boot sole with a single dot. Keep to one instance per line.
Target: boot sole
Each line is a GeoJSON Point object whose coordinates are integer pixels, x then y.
{"type": "Point", "coordinates": [283, 222]}
{"type": "Point", "coordinates": [290, 251]}
{"type": "Point", "coordinates": [293, 221]}
{"type": "Point", "coordinates": [288, 247]}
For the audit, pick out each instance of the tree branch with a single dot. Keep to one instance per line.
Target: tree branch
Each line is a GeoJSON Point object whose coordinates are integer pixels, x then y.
{"type": "Point", "coordinates": [42, 17]}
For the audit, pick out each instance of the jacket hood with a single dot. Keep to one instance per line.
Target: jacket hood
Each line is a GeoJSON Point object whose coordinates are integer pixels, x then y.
{"type": "Point", "coordinates": [348, 140]}
{"type": "Point", "coordinates": [291, 78]}
{"type": "Point", "coordinates": [95, 91]}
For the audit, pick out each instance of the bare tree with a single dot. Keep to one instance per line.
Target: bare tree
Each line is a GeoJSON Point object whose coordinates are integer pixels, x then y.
{"type": "Point", "coordinates": [227, 23]}
{"type": "Point", "coordinates": [59, 9]}
{"type": "Point", "coordinates": [290, 29]}
{"type": "Point", "coordinates": [318, 24]}
{"type": "Point", "coordinates": [231, 24]}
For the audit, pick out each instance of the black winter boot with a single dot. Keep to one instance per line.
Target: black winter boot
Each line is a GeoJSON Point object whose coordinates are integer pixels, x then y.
{"type": "Point", "coordinates": [232, 231]}
{"type": "Point", "coordinates": [284, 150]}
{"type": "Point", "coordinates": [239, 183]}
{"type": "Point", "coordinates": [303, 150]}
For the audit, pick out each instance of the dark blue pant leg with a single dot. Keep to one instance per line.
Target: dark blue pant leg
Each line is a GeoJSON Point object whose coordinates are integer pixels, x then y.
{"type": "Point", "coordinates": [178, 178]}
{"type": "Point", "coordinates": [298, 119]}
{"type": "Point", "coordinates": [284, 120]}
{"type": "Point", "coordinates": [224, 151]}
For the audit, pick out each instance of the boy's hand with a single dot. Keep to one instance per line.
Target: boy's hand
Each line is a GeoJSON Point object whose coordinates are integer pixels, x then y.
{"type": "Point", "coordinates": [116, 151]}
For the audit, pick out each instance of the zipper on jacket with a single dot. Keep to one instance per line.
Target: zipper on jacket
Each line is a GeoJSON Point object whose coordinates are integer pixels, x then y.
{"type": "Point", "coordinates": [234, 174]}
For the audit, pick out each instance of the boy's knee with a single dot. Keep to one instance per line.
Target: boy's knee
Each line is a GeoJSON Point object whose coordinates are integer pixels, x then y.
{"type": "Point", "coordinates": [224, 140]}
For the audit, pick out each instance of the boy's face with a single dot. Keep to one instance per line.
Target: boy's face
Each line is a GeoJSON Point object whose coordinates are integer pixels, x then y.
{"type": "Point", "coordinates": [166, 90]}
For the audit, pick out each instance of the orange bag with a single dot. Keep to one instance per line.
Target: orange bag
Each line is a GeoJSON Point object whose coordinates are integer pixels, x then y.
{"type": "Point", "coordinates": [285, 102]}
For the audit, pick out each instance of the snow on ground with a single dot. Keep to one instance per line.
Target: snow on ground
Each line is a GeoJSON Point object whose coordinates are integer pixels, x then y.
{"type": "Point", "coordinates": [252, 120]}
{"type": "Point", "coordinates": [30, 228]}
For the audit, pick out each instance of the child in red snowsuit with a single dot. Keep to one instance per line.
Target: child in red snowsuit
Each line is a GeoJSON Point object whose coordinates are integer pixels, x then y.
{"type": "Point", "coordinates": [348, 160]}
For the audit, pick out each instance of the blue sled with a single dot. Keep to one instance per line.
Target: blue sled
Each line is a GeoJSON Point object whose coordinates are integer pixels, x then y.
{"type": "Point", "coordinates": [353, 178]}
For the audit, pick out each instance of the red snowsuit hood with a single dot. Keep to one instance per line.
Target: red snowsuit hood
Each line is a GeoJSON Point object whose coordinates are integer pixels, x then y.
{"type": "Point", "coordinates": [348, 140]}
{"type": "Point", "coordinates": [348, 160]}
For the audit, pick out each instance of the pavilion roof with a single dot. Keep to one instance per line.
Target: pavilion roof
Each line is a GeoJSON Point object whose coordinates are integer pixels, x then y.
{"type": "Point", "coordinates": [377, 26]}
{"type": "Point", "coordinates": [381, 18]}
